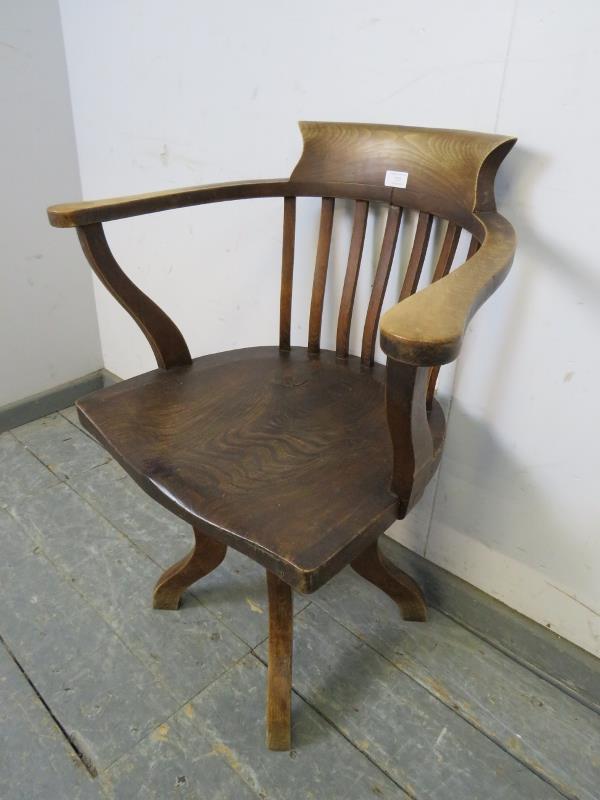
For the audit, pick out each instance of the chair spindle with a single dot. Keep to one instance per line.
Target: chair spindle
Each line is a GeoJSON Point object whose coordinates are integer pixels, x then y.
{"type": "Point", "coordinates": [417, 255]}
{"type": "Point", "coordinates": [287, 271]}
{"type": "Point", "coordinates": [473, 247]}
{"type": "Point", "coordinates": [359, 227]}
{"type": "Point", "coordinates": [321, 263]}
{"type": "Point", "coordinates": [386, 256]}
{"type": "Point", "coordinates": [448, 251]}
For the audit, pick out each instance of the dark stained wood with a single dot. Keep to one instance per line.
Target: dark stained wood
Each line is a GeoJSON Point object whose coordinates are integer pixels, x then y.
{"type": "Point", "coordinates": [287, 271]}
{"type": "Point", "coordinates": [279, 676]}
{"type": "Point", "coordinates": [381, 572]}
{"type": "Point", "coordinates": [447, 252]}
{"type": "Point", "coordinates": [417, 255]}
{"type": "Point", "coordinates": [320, 278]}
{"type": "Point", "coordinates": [386, 257]}
{"type": "Point", "coordinates": [205, 556]}
{"type": "Point", "coordinates": [300, 457]}
{"type": "Point", "coordinates": [359, 227]}
{"type": "Point", "coordinates": [166, 341]}
{"type": "Point", "coordinates": [262, 449]}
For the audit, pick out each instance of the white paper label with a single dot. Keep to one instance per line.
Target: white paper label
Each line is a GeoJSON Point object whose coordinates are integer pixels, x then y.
{"type": "Point", "coordinates": [396, 179]}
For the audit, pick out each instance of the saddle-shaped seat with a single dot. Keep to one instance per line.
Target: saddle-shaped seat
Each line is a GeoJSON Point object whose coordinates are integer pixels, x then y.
{"type": "Point", "coordinates": [282, 455]}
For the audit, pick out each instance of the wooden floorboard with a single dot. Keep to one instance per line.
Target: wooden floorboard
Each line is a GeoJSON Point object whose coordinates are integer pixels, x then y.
{"type": "Point", "coordinates": [60, 446]}
{"type": "Point", "coordinates": [171, 704]}
{"type": "Point", "coordinates": [21, 473]}
{"type": "Point", "coordinates": [509, 704]}
{"type": "Point", "coordinates": [36, 761]}
{"type": "Point", "coordinates": [175, 760]}
{"type": "Point", "coordinates": [321, 763]}
{"type": "Point", "coordinates": [535, 646]}
{"type": "Point", "coordinates": [184, 650]}
{"type": "Point", "coordinates": [428, 749]}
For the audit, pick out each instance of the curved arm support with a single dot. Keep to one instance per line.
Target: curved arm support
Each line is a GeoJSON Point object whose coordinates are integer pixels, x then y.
{"type": "Point", "coordinates": [415, 456]}
{"type": "Point", "coordinates": [427, 329]}
{"type": "Point", "coordinates": [166, 341]}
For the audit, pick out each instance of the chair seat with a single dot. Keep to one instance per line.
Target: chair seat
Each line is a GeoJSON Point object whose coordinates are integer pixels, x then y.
{"type": "Point", "coordinates": [285, 456]}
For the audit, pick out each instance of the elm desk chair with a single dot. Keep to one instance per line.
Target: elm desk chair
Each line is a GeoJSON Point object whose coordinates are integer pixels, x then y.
{"type": "Point", "coordinates": [302, 457]}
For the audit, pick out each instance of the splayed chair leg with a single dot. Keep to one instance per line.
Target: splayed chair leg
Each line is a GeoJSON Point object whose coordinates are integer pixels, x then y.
{"type": "Point", "coordinates": [279, 679]}
{"type": "Point", "coordinates": [205, 556]}
{"type": "Point", "coordinates": [376, 568]}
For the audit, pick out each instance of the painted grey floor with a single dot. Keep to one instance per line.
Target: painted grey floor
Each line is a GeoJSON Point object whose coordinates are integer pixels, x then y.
{"type": "Point", "coordinates": [102, 697]}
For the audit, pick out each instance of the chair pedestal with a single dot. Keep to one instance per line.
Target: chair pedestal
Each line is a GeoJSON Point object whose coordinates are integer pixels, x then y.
{"type": "Point", "coordinates": [205, 556]}
{"type": "Point", "coordinates": [378, 570]}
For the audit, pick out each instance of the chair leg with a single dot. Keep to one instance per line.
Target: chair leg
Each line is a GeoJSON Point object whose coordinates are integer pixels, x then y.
{"type": "Point", "coordinates": [376, 568]}
{"type": "Point", "coordinates": [205, 556]}
{"type": "Point", "coordinates": [279, 678]}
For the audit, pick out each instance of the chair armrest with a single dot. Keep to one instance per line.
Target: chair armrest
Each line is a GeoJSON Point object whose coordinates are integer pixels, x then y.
{"type": "Point", "coordinates": [427, 328]}
{"type": "Point", "coordinates": [424, 331]}
{"type": "Point", "coordinates": [70, 215]}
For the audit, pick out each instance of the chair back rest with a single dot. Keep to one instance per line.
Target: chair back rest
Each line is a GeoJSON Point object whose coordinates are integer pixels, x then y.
{"type": "Point", "coordinates": [444, 174]}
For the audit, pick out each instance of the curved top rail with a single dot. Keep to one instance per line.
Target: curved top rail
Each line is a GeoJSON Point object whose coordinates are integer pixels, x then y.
{"type": "Point", "coordinates": [447, 172]}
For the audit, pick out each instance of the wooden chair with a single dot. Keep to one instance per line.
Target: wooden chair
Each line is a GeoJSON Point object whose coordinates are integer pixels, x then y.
{"type": "Point", "coordinates": [301, 457]}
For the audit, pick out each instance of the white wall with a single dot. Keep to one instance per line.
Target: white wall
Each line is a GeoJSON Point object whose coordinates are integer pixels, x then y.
{"type": "Point", "coordinates": [48, 325]}
{"type": "Point", "coordinates": [195, 92]}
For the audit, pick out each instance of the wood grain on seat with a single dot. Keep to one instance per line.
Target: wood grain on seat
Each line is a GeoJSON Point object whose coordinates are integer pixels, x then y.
{"type": "Point", "coordinates": [284, 455]}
